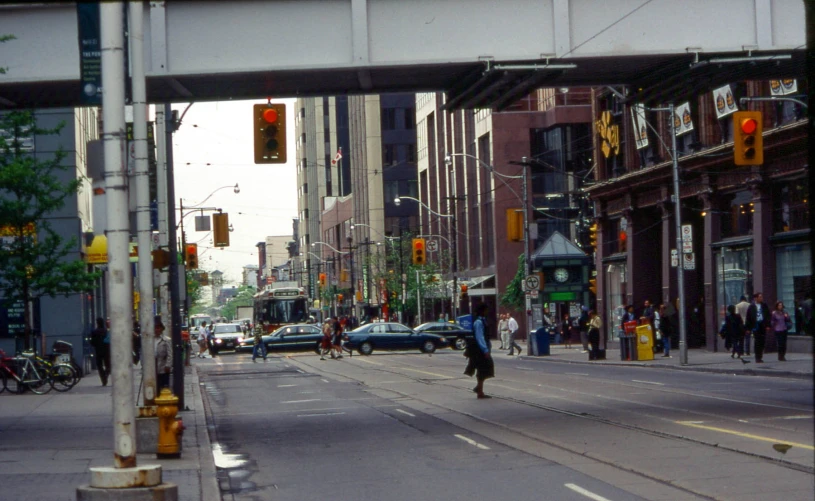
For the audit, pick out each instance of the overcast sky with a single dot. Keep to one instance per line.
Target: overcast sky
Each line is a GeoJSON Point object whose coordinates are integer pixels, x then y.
{"type": "Point", "coordinates": [214, 148]}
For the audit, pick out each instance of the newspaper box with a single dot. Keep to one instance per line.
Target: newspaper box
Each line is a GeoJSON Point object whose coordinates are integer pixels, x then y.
{"type": "Point", "coordinates": [645, 342]}
{"type": "Point", "coordinates": [628, 345]}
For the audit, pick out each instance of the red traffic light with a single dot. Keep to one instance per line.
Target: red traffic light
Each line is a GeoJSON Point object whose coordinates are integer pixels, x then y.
{"type": "Point", "coordinates": [270, 115]}
{"type": "Point", "coordinates": [418, 244]}
{"type": "Point", "coordinates": [749, 125]}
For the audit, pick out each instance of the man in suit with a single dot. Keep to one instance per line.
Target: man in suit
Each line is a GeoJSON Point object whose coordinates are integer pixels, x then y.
{"type": "Point", "coordinates": [758, 322]}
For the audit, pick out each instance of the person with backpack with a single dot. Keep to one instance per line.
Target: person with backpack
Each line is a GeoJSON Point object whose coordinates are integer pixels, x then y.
{"type": "Point", "coordinates": [480, 361]}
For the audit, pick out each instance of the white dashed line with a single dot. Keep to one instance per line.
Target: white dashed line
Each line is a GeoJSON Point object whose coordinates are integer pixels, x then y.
{"type": "Point", "coordinates": [405, 412]}
{"type": "Point", "coordinates": [472, 442]}
{"type": "Point", "coordinates": [577, 374]}
{"type": "Point", "coordinates": [322, 414]}
{"type": "Point", "coordinates": [286, 385]}
{"type": "Point", "coordinates": [647, 382]}
{"type": "Point", "coordinates": [325, 380]}
{"type": "Point", "coordinates": [588, 494]}
{"type": "Point", "coordinates": [300, 401]}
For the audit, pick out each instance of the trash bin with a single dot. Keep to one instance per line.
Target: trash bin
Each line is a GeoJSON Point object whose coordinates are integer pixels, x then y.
{"type": "Point", "coordinates": [540, 342]}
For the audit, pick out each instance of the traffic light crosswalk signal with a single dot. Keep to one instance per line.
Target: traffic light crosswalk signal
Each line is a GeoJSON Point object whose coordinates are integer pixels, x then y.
{"type": "Point", "coordinates": [269, 125]}
{"type": "Point", "coordinates": [748, 143]}
{"type": "Point", "coordinates": [419, 255]}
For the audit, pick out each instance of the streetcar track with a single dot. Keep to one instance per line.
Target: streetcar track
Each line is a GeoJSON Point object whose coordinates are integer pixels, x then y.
{"type": "Point", "coordinates": [595, 418]}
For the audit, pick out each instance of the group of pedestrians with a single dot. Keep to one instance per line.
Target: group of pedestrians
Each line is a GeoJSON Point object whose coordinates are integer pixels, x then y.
{"type": "Point", "coordinates": [333, 336]}
{"type": "Point", "coordinates": [747, 320]}
{"type": "Point", "coordinates": [507, 328]}
{"type": "Point", "coordinates": [100, 341]}
{"type": "Point", "coordinates": [206, 341]}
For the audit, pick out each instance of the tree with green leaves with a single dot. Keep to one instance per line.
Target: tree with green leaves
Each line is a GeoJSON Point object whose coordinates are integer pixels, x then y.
{"type": "Point", "coordinates": [244, 297]}
{"type": "Point", "coordinates": [513, 297]}
{"type": "Point", "coordinates": [33, 257]}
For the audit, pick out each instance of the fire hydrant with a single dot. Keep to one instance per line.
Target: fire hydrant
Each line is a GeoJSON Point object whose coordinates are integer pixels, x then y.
{"type": "Point", "coordinates": [170, 428]}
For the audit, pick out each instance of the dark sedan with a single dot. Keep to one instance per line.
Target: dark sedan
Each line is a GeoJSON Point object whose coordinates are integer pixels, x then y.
{"type": "Point", "coordinates": [392, 336]}
{"type": "Point", "coordinates": [300, 337]}
{"type": "Point", "coordinates": [456, 335]}
{"type": "Point", "coordinates": [227, 336]}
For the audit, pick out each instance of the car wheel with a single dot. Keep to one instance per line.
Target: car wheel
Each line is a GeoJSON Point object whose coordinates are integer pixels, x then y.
{"type": "Point", "coordinates": [366, 348]}
{"type": "Point", "coordinates": [428, 347]}
{"type": "Point", "coordinates": [318, 348]}
{"type": "Point", "coordinates": [460, 343]}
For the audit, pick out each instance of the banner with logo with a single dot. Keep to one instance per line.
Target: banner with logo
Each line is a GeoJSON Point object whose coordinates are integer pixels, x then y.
{"type": "Point", "coordinates": [640, 125]}
{"type": "Point", "coordinates": [783, 87]}
{"type": "Point", "coordinates": [724, 101]}
{"type": "Point", "coordinates": [683, 123]}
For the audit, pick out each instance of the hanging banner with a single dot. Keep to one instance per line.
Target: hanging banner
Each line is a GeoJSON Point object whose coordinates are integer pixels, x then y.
{"type": "Point", "coordinates": [724, 101]}
{"type": "Point", "coordinates": [783, 87]}
{"type": "Point", "coordinates": [90, 53]}
{"type": "Point", "coordinates": [683, 123]}
{"type": "Point", "coordinates": [640, 126]}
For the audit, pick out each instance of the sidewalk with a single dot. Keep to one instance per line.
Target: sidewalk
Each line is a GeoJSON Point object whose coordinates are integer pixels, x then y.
{"type": "Point", "coordinates": [49, 442]}
{"type": "Point", "coordinates": [798, 365]}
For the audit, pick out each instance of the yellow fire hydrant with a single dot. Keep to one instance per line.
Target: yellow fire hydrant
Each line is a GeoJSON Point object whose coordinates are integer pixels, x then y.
{"type": "Point", "coordinates": [170, 428]}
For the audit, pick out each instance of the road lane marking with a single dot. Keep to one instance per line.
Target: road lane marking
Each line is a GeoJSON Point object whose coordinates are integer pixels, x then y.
{"type": "Point", "coordinates": [286, 385]}
{"type": "Point", "coordinates": [588, 494]}
{"type": "Point", "coordinates": [325, 380]}
{"type": "Point", "coordinates": [300, 401]}
{"type": "Point", "coordinates": [745, 435]}
{"type": "Point", "coordinates": [647, 382]}
{"type": "Point", "coordinates": [368, 361]}
{"type": "Point", "coordinates": [322, 414]}
{"type": "Point", "coordinates": [577, 374]}
{"type": "Point", "coordinates": [425, 372]}
{"type": "Point", "coordinates": [405, 412]}
{"type": "Point", "coordinates": [472, 442]}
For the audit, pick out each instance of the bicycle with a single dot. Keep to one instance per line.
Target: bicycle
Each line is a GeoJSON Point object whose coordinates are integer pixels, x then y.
{"type": "Point", "coordinates": [27, 375]}
{"type": "Point", "coordinates": [62, 376]}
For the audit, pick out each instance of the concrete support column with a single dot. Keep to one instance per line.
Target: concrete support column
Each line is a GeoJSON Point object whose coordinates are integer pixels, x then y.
{"type": "Point", "coordinates": [713, 233]}
{"type": "Point", "coordinates": [633, 255]}
{"type": "Point", "coordinates": [669, 290]}
{"type": "Point", "coordinates": [763, 252]}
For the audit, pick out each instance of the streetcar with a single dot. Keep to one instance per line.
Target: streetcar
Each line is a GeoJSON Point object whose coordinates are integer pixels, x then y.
{"type": "Point", "coordinates": [276, 307]}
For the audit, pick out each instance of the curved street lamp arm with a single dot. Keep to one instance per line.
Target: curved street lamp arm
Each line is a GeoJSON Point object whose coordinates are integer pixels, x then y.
{"type": "Point", "coordinates": [235, 188]}
{"type": "Point", "coordinates": [423, 205]}
{"type": "Point", "coordinates": [435, 236]}
{"type": "Point", "coordinates": [330, 247]}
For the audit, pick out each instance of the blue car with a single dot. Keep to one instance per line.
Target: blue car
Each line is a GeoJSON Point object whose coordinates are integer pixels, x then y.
{"type": "Point", "coordinates": [392, 336]}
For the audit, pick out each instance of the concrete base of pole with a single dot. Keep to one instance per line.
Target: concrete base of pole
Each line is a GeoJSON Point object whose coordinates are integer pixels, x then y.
{"type": "Point", "coordinates": [108, 477]}
{"type": "Point", "coordinates": [162, 492]}
{"type": "Point", "coordinates": [147, 435]}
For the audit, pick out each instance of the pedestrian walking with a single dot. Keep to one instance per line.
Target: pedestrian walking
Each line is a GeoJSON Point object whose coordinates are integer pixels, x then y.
{"type": "Point", "coordinates": [210, 333]}
{"type": "Point", "coordinates": [781, 324]}
{"type": "Point", "coordinates": [503, 330]}
{"type": "Point", "coordinates": [336, 338]}
{"type": "Point", "coordinates": [325, 344]}
{"type": "Point", "coordinates": [734, 330]}
{"type": "Point", "coordinates": [100, 340]}
{"type": "Point", "coordinates": [758, 323]}
{"type": "Point", "coordinates": [260, 347]}
{"type": "Point", "coordinates": [202, 340]}
{"type": "Point", "coordinates": [741, 310]}
{"type": "Point", "coordinates": [512, 326]}
{"type": "Point", "coordinates": [164, 355]}
{"type": "Point", "coordinates": [583, 328]}
{"type": "Point", "coordinates": [664, 329]}
{"type": "Point", "coordinates": [566, 331]}
{"type": "Point", "coordinates": [478, 352]}
{"type": "Point", "coordinates": [595, 324]}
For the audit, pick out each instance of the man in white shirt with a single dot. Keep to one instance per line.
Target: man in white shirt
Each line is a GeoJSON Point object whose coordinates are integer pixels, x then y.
{"type": "Point", "coordinates": [741, 309]}
{"type": "Point", "coordinates": [512, 325]}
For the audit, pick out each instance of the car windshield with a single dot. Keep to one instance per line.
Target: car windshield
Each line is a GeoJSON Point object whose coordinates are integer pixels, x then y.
{"type": "Point", "coordinates": [226, 328]}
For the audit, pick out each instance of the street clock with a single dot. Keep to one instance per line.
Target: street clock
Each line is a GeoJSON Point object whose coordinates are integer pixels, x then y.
{"type": "Point", "coordinates": [561, 275]}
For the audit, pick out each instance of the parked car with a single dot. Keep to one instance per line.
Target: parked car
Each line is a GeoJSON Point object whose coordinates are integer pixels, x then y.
{"type": "Point", "coordinates": [298, 337]}
{"type": "Point", "coordinates": [456, 335]}
{"type": "Point", "coordinates": [227, 336]}
{"type": "Point", "coordinates": [392, 336]}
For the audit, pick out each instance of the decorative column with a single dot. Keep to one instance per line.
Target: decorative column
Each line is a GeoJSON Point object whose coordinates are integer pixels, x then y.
{"type": "Point", "coordinates": [666, 207]}
{"type": "Point", "coordinates": [713, 233]}
{"type": "Point", "coordinates": [763, 252]}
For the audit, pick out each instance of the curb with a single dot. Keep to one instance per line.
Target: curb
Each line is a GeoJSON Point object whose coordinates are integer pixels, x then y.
{"type": "Point", "coordinates": [210, 490]}
{"type": "Point", "coordinates": [712, 370]}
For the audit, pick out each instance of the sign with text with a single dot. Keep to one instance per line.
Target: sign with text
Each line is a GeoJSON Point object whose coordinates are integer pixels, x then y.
{"type": "Point", "coordinates": [687, 238]}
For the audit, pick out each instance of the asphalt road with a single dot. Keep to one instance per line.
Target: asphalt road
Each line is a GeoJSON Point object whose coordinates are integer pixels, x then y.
{"type": "Point", "coordinates": [407, 426]}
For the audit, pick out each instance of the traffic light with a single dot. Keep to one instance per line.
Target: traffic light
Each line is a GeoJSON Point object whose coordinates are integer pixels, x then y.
{"type": "Point", "coordinates": [748, 143]}
{"type": "Point", "coordinates": [515, 225]}
{"type": "Point", "coordinates": [191, 256]}
{"type": "Point", "coordinates": [340, 297]}
{"type": "Point", "coordinates": [161, 259]}
{"type": "Point", "coordinates": [418, 251]}
{"type": "Point", "coordinates": [463, 295]}
{"type": "Point", "coordinates": [593, 286]}
{"type": "Point", "coordinates": [322, 279]}
{"type": "Point", "coordinates": [593, 236]}
{"type": "Point", "coordinates": [269, 124]}
{"type": "Point", "coordinates": [343, 275]}
{"type": "Point", "coordinates": [220, 229]}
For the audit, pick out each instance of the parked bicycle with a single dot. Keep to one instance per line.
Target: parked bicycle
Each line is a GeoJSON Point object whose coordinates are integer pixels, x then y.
{"type": "Point", "coordinates": [28, 371]}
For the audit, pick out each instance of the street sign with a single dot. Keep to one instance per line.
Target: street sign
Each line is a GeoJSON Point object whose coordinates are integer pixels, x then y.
{"type": "Point", "coordinates": [687, 239]}
{"type": "Point", "coordinates": [532, 283]}
{"type": "Point", "coordinates": [432, 245]}
{"type": "Point", "coordinates": [689, 261]}
{"type": "Point", "coordinates": [674, 258]}
{"type": "Point", "coordinates": [533, 294]}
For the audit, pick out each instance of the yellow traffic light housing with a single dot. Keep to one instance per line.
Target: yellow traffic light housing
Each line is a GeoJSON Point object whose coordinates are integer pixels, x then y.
{"type": "Point", "coordinates": [322, 279]}
{"type": "Point", "coordinates": [161, 259]}
{"type": "Point", "coordinates": [515, 225]}
{"type": "Point", "coordinates": [593, 236]}
{"type": "Point", "coordinates": [464, 295]}
{"type": "Point", "coordinates": [593, 286]}
{"type": "Point", "coordinates": [220, 229]}
{"type": "Point", "coordinates": [269, 124]}
{"type": "Point", "coordinates": [748, 142]}
{"type": "Point", "coordinates": [419, 255]}
{"type": "Point", "coordinates": [191, 256]}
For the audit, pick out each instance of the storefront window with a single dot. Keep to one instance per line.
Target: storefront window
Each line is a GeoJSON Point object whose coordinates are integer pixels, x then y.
{"type": "Point", "coordinates": [734, 274]}
{"type": "Point", "coordinates": [615, 298]}
{"type": "Point", "coordinates": [794, 280]}
{"type": "Point", "coordinates": [740, 221]}
{"type": "Point", "coordinates": [790, 209]}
